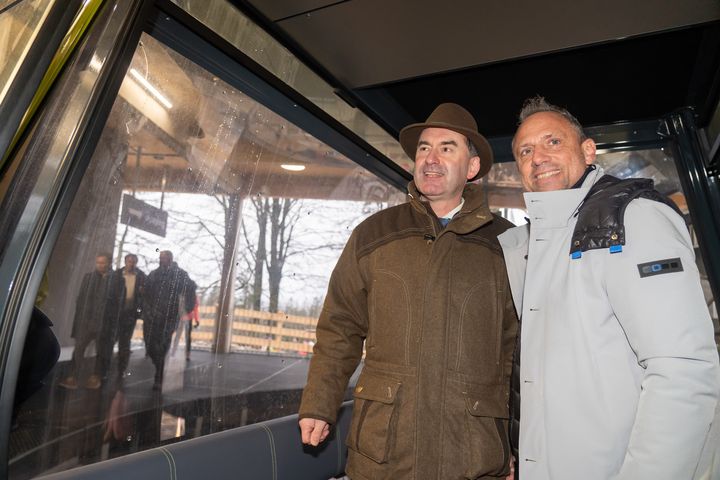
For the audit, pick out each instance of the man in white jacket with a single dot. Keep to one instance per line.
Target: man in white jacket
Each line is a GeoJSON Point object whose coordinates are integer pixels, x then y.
{"type": "Point", "coordinates": [619, 375]}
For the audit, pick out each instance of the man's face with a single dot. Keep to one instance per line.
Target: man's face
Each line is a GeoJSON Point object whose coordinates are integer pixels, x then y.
{"type": "Point", "coordinates": [165, 259]}
{"type": "Point", "coordinates": [130, 263]}
{"type": "Point", "coordinates": [102, 264]}
{"type": "Point", "coordinates": [443, 165]}
{"type": "Point", "coordinates": [549, 153]}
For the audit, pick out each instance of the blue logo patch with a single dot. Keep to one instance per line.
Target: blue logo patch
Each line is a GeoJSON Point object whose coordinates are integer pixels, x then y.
{"type": "Point", "coordinates": [658, 267]}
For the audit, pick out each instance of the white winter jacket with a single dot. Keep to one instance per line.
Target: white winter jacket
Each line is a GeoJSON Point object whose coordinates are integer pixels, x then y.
{"type": "Point", "coordinates": [619, 373]}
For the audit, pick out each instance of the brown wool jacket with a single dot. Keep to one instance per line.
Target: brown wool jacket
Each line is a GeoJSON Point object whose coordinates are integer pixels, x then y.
{"type": "Point", "coordinates": [435, 311]}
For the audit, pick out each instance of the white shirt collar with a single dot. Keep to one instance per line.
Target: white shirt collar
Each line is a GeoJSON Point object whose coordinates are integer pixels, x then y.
{"type": "Point", "coordinates": [455, 210]}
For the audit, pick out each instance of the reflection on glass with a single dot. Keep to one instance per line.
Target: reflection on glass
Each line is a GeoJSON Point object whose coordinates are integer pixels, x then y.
{"type": "Point", "coordinates": [19, 24]}
{"type": "Point", "coordinates": [225, 19]}
{"type": "Point", "coordinates": [186, 283]}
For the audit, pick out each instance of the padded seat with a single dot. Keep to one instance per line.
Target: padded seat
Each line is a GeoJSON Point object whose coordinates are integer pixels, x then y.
{"type": "Point", "coordinates": [267, 450]}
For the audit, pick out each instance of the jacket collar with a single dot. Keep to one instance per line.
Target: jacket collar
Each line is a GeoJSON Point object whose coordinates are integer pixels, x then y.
{"type": "Point", "coordinates": [473, 214]}
{"type": "Point", "coordinates": [556, 209]}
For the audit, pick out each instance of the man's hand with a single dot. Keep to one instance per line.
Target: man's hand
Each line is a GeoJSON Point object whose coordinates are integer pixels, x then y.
{"type": "Point", "coordinates": [511, 475]}
{"type": "Point", "coordinates": [313, 431]}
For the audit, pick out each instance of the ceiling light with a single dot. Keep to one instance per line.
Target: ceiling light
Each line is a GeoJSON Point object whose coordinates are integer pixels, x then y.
{"type": "Point", "coordinates": [293, 167]}
{"type": "Point", "coordinates": [150, 88]}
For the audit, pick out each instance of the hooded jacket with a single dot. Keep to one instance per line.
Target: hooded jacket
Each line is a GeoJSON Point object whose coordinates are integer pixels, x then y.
{"type": "Point", "coordinates": [619, 373]}
{"type": "Point", "coordinates": [433, 310]}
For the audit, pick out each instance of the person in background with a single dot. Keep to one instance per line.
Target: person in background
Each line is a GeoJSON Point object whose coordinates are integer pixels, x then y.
{"type": "Point", "coordinates": [133, 281]}
{"type": "Point", "coordinates": [96, 315]}
{"type": "Point", "coordinates": [188, 321]}
{"type": "Point", "coordinates": [166, 289]}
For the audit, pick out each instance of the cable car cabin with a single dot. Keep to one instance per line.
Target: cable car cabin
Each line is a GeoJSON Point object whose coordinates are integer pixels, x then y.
{"type": "Point", "coordinates": [237, 144]}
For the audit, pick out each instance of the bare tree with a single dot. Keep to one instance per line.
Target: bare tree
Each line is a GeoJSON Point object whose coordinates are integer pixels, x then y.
{"type": "Point", "coordinates": [283, 218]}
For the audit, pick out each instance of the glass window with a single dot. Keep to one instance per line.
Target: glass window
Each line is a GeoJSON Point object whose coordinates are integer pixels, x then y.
{"type": "Point", "coordinates": [187, 280]}
{"type": "Point", "coordinates": [20, 22]}
{"type": "Point", "coordinates": [504, 190]}
{"type": "Point", "coordinates": [225, 19]}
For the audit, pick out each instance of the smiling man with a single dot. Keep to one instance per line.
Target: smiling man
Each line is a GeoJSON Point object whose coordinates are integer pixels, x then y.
{"type": "Point", "coordinates": [618, 374]}
{"type": "Point", "coordinates": [423, 287]}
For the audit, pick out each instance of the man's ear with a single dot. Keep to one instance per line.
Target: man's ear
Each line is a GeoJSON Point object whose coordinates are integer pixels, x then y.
{"type": "Point", "coordinates": [589, 150]}
{"type": "Point", "coordinates": [473, 167]}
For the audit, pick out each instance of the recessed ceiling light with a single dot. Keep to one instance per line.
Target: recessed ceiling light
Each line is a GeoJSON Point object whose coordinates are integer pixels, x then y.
{"type": "Point", "coordinates": [293, 167]}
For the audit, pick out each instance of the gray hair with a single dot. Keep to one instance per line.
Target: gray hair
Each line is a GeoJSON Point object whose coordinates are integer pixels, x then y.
{"type": "Point", "coordinates": [538, 104]}
{"type": "Point", "coordinates": [471, 148]}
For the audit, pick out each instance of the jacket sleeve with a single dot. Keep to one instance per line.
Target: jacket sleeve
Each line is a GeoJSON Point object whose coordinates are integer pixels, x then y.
{"type": "Point", "coordinates": [667, 324]}
{"type": "Point", "coordinates": [341, 331]}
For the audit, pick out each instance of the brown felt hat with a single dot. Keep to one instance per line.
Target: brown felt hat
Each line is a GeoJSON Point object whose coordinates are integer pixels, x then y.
{"type": "Point", "coordinates": [453, 117]}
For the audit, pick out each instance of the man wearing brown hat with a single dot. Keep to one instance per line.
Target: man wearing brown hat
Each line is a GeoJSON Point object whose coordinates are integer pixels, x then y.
{"type": "Point", "coordinates": [423, 286]}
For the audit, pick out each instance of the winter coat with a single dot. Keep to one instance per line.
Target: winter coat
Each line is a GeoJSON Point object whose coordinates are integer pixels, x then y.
{"type": "Point", "coordinates": [619, 368]}
{"type": "Point", "coordinates": [433, 309]}
{"type": "Point", "coordinates": [97, 306]}
{"type": "Point", "coordinates": [164, 289]}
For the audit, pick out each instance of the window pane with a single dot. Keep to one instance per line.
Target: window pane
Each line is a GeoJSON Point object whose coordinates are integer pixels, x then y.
{"type": "Point", "coordinates": [225, 19]}
{"type": "Point", "coordinates": [255, 212]}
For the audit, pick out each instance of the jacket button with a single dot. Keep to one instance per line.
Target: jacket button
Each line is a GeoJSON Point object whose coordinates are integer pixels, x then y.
{"type": "Point", "coordinates": [359, 389]}
{"type": "Point", "coordinates": [389, 392]}
{"type": "Point", "coordinates": [614, 236]}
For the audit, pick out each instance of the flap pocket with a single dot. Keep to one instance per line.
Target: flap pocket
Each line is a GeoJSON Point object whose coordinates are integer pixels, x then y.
{"type": "Point", "coordinates": [488, 449]}
{"type": "Point", "coordinates": [487, 406]}
{"type": "Point", "coordinates": [372, 430]}
{"type": "Point", "coordinates": [375, 388]}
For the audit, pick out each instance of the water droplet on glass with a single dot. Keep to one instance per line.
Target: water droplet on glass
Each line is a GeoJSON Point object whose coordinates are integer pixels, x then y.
{"type": "Point", "coordinates": [128, 438]}
{"type": "Point", "coordinates": [190, 169]}
{"type": "Point", "coordinates": [219, 365]}
{"type": "Point", "coordinates": [157, 249]}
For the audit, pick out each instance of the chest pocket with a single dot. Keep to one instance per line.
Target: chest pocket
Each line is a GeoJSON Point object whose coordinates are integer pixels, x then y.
{"type": "Point", "coordinates": [389, 318]}
{"type": "Point", "coordinates": [479, 331]}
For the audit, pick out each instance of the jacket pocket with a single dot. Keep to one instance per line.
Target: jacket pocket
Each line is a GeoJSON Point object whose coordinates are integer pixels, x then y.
{"type": "Point", "coordinates": [374, 416]}
{"type": "Point", "coordinates": [487, 449]}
